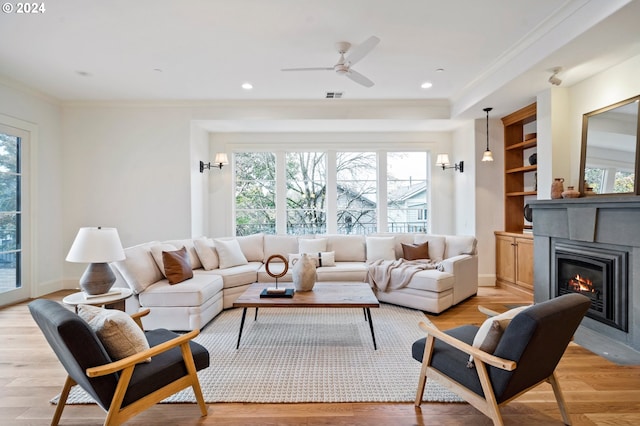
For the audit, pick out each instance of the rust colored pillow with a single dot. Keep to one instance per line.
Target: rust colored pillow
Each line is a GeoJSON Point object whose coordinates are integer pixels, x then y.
{"type": "Point", "coordinates": [415, 251]}
{"type": "Point", "coordinates": [177, 266]}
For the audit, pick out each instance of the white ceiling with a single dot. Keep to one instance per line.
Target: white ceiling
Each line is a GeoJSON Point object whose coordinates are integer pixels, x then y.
{"type": "Point", "coordinates": [493, 52]}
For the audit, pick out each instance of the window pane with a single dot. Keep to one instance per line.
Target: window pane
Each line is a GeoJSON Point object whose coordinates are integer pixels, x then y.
{"type": "Point", "coordinates": [9, 192]}
{"type": "Point", "coordinates": [306, 192]}
{"type": "Point", "coordinates": [255, 193]}
{"type": "Point", "coordinates": [9, 229]}
{"type": "Point", "coordinates": [9, 271]}
{"type": "Point", "coordinates": [9, 158]}
{"type": "Point", "coordinates": [595, 179]}
{"type": "Point", "coordinates": [624, 182]}
{"type": "Point", "coordinates": [407, 208]}
{"type": "Point", "coordinates": [356, 188]}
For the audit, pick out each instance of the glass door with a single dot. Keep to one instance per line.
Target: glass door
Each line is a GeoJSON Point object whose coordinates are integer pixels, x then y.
{"type": "Point", "coordinates": [13, 286]}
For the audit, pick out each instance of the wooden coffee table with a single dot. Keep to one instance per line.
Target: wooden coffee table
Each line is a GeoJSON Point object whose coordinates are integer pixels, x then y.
{"type": "Point", "coordinates": [323, 295]}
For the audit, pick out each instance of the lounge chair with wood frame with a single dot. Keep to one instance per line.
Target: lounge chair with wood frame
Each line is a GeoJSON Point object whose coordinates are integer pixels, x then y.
{"type": "Point", "coordinates": [126, 387]}
{"type": "Point", "coordinates": [526, 355]}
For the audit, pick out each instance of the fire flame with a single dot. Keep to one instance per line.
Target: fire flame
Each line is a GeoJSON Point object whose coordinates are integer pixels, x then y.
{"type": "Point", "coordinates": [582, 284]}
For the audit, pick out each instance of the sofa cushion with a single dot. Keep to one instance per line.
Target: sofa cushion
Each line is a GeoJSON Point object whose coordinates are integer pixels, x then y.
{"type": "Point", "coordinates": [381, 248]}
{"type": "Point", "coordinates": [415, 251]}
{"type": "Point", "coordinates": [279, 244]}
{"type": "Point", "coordinates": [230, 253]}
{"type": "Point", "coordinates": [326, 258]}
{"type": "Point", "coordinates": [177, 267]}
{"type": "Point", "coordinates": [308, 245]}
{"type": "Point", "coordinates": [436, 245]}
{"type": "Point", "coordinates": [460, 244]}
{"type": "Point", "coordinates": [188, 243]}
{"type": "Point", "coordinates": [118, 332]}
{"type": "Point", "coordinates": [252, 247]}
{"type": "Point", "coordinates": [343, 271]}
{"type": "Point", "coordinates": [156, 252]}
{"type": "Point", "coordinates": [192, 292]}
{"type": "Point", "coordinates": [429, 280]}
{"type": "Point", "coordinates": [236, 275]}
{"type": "Point", "coordinates": [348, 248]}
{"type": "Point", "coordinates": [207, 253]}
{"type": "Point", "coordinates": [138, 268]}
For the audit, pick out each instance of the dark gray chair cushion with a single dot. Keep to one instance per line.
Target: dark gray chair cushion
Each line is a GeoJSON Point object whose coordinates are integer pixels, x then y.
{"type": "Point", "coordinates": [78, 348]}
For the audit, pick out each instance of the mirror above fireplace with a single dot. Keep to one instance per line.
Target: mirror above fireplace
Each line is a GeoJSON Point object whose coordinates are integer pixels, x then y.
{"type": "Point", "coordinates": [610, 153]}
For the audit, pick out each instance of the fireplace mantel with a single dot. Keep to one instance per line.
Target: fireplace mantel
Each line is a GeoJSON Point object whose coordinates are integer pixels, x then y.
{"type": "Point", "coordinates": [611, 222]}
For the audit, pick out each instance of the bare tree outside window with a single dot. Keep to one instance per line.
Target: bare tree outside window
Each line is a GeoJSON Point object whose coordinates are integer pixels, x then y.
{"type": "Point", "coordinates": [255, 193]}
{"type": "Point", "coordinates": [306, 192]}
{"type": "Point", "coordinates": [357, 192]}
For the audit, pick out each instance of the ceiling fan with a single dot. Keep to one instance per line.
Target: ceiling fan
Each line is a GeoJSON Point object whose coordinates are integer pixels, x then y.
{"type": "Point", "coordinates": [343, 67]}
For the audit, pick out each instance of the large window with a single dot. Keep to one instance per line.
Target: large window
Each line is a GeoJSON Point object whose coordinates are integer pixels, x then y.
{"type": "Point", "coordinates": [331, 191]}
{"type": "Point", "coordinates": [10, 212]}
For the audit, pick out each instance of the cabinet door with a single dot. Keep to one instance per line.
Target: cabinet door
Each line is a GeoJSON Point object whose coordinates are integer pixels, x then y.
{"type": "Point", "coordinates": [524, 262]}
{"type": "Point", "coordinates": [505, 258]}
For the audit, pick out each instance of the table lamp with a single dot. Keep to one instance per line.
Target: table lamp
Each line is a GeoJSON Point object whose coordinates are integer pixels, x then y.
{"type": "Point", "coordinates": [96, 246]}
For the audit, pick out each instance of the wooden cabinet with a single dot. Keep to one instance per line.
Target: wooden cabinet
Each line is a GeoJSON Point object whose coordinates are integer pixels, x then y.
{"type": "Point", "coordinates": [514, 261]}
{"type": "Point", "coordinates": [520, 177]}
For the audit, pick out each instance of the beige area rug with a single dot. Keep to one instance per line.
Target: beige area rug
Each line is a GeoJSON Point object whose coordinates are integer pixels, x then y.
{"type": "Point", "coordinates": [310, 355]}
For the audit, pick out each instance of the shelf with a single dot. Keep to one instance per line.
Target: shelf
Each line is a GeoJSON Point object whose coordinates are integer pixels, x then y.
{"type": "Point", "coordinates": [520, 193]}
{"type": "Point", "coordinates": [523, 145]}
{"type": "Point", "coordinates": [523, 169]}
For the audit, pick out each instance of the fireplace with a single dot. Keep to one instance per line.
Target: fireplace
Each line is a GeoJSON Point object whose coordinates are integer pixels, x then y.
{"type": "Point", "coordinates": [599, 274]}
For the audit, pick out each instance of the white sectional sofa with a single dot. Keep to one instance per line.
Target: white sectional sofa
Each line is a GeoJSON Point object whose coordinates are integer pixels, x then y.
{"type": "Point", "coordinates": [223, 268]}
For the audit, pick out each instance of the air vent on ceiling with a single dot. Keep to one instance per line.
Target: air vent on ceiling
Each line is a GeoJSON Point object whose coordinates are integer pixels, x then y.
{"type": "Point", "coordinates": [334, 95]}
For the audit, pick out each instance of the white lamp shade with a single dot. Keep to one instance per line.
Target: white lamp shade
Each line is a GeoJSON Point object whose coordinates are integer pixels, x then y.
{"type": "Point", "coordinates": [442, 160]}
{"type": "Point", "coordinates": [96, 245]}
{"type": "Point", "coordinates": [487, 156]}
{"type": "Point", "coordinates": [221, 158]}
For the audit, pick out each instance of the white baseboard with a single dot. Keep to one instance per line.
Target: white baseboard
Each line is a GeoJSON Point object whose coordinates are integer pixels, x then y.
{"type": "Point", "coordinates": [487, 280]}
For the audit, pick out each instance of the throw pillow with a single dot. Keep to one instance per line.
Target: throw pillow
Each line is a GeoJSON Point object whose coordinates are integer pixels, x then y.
{"type": "Point", "coordinates": [118, 332]}
{"type": "Point", "coordinates": [230, 253]}
{"type": "Point", "coordinates": [156, 252]}
{"type": "Point", "coordinates": [207, 253]}
{"type": "Point", "coordinates": [415, 251]}
{"type": "Point", "coordinates": [381, 248]}
{"type": "Point", "coordinates": [490, 332]}
{"type": "Point", "coordinates": [325, 258]}
{"type": "Point", "coordinates": [177, 266]}
{"type": "Point", "coordinates": [308, 245]}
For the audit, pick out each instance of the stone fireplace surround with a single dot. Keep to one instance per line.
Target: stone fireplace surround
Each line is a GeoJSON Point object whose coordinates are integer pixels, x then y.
{"type": "Point", "coordinates": [605, 222]}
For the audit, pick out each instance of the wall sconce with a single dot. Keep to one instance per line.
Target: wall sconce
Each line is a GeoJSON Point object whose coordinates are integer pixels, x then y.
{"type": "Point", "coordinates": [443, 161]}
{"type": "Point", "coordinates": [488, 155]}
{"type": "Point", "coordinates": [554, 79]}
{"type": "Point", "coordinates": [220, 160]}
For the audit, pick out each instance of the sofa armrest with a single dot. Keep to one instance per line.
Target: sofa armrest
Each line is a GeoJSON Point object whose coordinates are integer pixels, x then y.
{"type": "Point", "coordinates": [464, 268]}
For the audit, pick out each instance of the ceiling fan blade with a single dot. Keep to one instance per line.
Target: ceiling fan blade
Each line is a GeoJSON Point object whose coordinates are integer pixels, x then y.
{"type": "Point", "coordinates": [362, 50]}
{"type": "Point", "coordinates": [308, 69]}
{"type": "Point", "coordinates": [359, 78]}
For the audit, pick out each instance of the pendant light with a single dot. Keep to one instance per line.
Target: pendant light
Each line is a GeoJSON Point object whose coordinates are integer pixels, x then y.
{"type": "Point", "coordinates": [487, 156]}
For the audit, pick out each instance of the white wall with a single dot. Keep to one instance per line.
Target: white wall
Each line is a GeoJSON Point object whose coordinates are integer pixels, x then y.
{"type": "Point", "coordinates": [489, 198]}
{"type": "Point", "coordinates": [46, 247]}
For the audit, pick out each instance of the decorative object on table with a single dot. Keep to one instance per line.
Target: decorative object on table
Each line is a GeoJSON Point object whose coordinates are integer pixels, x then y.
{"type": "Point", "coordinates": [533, 159]}
{"type": "Point", "coordinates": [557, 188]}
{"type": "Point", "coordinates": [96, 246]}
{"type": "Point", "coordinates": [304, 273]}
{"type": "Point", "coordinates": [570, 193]}
{"type": "Point", "coordinates": [275, 291]}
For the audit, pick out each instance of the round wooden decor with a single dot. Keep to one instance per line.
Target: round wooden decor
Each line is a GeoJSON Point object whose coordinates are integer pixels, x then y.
{"type": "Point", "coordinates": [286, 266]}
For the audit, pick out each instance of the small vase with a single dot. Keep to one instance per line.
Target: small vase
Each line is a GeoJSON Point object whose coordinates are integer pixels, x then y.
{"type": "Point", "coordinates": [570, 193]}
{"type": "Point", "coordinates": [304, 273]}
{"type": "Point", "coordinates": [557, 188]}
{"type": "Point", "coordinates": [533, 159]}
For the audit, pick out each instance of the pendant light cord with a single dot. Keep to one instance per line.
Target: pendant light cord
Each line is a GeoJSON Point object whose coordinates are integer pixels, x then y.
{"type": "Point", "coordinates": [487, 111]}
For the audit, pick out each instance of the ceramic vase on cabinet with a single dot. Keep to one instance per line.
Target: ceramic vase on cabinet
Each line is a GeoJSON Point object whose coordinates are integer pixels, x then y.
{"type": "Point", "coordinates": [570, 193]}
{"type": "Point", "coordinates": [304, 273]}
{"type": "Point", "coordinates": [557, 188]}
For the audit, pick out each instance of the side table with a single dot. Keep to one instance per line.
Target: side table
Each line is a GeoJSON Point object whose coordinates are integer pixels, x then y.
{"type": "Point", "coordinates": [112, 301]}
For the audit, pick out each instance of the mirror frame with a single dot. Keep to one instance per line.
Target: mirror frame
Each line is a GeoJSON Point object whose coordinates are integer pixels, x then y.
{"type": "Point", "coordinates": [585, 142]}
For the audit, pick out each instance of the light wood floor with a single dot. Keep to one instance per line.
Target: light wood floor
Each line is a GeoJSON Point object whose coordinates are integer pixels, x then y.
{"type": "Point", "coordinates": [597, 391]}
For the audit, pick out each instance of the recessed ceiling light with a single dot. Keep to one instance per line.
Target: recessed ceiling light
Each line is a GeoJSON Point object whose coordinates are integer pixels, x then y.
{"type": "Point", "coordinates": [426, 85]}
{"type": "Point", "coordinates": [247, 86]}
{"type": "Point", "coordinates": [157, 69]}
{"type": "Point", "coordinates": [439, 69]}
{"type": "Point", "coordinates": [83, 73]}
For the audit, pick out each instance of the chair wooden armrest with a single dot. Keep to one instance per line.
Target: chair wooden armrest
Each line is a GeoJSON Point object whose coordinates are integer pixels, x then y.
{"type": "Point", "coordinates": [137, 317]}
{"type": "Point", "coordinates": [129, 361]}
{"type": "Point", "coordinates": [488, 312]}
{"type": "Point", "coordinates": [487, 358]}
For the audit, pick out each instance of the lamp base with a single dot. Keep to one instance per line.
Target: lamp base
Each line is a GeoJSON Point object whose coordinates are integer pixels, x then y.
{"type": "Point", "coordinates": [97, 279]}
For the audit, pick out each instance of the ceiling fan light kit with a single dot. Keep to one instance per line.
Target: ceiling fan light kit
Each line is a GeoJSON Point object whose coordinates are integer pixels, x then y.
{"type": "Point", "coordinates": [344, 64]}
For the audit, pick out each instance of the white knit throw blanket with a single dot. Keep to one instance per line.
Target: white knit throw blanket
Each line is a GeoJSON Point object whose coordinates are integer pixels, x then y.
{"type": "Point", "coordinates": [386, 275]}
